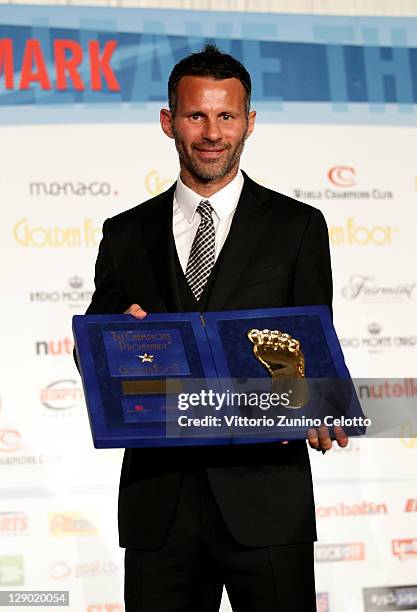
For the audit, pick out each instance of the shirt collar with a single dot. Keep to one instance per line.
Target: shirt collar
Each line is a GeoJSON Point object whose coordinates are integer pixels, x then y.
{"type": "Point", "coordinates": [223, 201]}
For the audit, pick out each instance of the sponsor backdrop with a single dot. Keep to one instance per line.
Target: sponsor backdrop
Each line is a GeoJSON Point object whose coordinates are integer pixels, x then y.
{"type": "Point", "coordinates": [80, 90]}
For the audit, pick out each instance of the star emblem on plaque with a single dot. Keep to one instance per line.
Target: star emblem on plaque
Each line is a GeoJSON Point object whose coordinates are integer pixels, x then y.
{"type": "Point", "coordinates": [145, 358]}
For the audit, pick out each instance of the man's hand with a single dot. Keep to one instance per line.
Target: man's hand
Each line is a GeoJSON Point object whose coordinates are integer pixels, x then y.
{"type": "Point", "coordinates": [320, 438]}
{"type": "Point", "coordinates": [136, 311]}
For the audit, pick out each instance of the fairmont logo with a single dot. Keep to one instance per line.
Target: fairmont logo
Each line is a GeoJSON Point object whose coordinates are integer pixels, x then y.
{"type": "Point", "coordinates": [367, 289]}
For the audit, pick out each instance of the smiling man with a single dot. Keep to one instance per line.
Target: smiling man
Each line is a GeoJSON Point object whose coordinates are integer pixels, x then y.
{"type": "Point", "coordinates": [193, 520]}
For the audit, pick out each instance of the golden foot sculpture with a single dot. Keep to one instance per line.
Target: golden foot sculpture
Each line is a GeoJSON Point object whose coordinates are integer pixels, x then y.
{"type": "Point", "coordinates": [281, 355]}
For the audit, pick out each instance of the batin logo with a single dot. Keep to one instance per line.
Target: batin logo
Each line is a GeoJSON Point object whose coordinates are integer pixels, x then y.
{"type": "Point", "coordinates": [374, 329]}
{"type": "Point", "coordinates": [340, 552]}
{"type": "Point", "coordinates": [61, 395]}
{"type": "Point", "coordinates": [364, 508]}
{"type": "Point", "coordinates": [9, 440]}
{"type": "Point", "coordinates": [405, 549]}
{"type": "Point", "coordinates": [13, 523]}
{"type": "Point", "coordinates": [322, 601]}
{"type": "Point", "coordinates": [11, 571]}
{"type": "Point", "coordinates": [342, 176]}
{"type": "Point", "coordinates": [390, 598]}
{"type": "Point", "coordinates": [70, 523]}
{"type": "Point", "coordinates": [411, 505]}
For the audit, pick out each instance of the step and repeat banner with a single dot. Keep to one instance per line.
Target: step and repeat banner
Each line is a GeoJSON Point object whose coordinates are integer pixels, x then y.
{"type": "Point", "coordinates": [80, 93]}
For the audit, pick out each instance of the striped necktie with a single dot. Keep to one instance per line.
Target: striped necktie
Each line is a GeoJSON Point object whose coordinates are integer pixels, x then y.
{"type": "Point", "coordinates": [201, 259]}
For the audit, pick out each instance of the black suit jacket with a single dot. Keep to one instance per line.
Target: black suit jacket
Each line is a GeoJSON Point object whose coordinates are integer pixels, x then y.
{"type": "Point", "coordinates": [276, 254]}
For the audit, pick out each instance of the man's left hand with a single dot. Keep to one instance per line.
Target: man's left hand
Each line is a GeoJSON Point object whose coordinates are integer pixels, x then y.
{"type": "Point", "coordinates": [321, 440]}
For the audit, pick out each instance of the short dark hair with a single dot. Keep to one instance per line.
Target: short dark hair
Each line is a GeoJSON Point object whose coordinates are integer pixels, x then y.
{"type": "Point", "coordinates": [212, 63]}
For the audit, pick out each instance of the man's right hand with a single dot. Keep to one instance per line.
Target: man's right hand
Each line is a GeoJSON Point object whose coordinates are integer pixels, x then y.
{"type": "Point", "coordinates": [136, 311]}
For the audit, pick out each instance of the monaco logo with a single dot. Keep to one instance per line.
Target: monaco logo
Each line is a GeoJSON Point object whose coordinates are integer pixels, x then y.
{"type": "Point", "coordinates": [342, 176]}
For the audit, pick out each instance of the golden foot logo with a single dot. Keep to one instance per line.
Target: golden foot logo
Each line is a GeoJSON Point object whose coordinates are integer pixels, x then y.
{"type": "Point", "coordinates": [353, 234]}
{"type": "Point", "coordinates": [87, 234]}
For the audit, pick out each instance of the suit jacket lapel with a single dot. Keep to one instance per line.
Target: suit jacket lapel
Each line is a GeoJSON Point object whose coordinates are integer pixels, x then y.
{"type": "Point", "coordinates": [248, 222]}
{"type": "Point", "coordinates": [159, 240]}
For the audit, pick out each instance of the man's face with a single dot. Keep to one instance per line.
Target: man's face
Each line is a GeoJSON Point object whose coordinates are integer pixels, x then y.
{"type": "Point", "coordinates": [209, 126]}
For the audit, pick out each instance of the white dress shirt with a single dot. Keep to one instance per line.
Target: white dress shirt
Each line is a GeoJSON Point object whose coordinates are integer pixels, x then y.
{"type": "Point", "coordinates": [185, 220]}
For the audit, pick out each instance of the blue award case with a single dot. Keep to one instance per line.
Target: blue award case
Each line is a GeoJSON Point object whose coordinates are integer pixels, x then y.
{"type": "Point", "coordinates": [129, 365]}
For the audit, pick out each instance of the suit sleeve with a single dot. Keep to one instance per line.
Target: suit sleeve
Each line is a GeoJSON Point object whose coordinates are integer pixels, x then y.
{"type": "Point", "coordinates": [312, 282]}
{"type": "Point", "coordinates": [109, 297]}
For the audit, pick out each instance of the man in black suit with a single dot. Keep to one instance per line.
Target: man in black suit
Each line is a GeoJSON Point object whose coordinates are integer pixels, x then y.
{"type": "Point", "coordinates": [195, 519]}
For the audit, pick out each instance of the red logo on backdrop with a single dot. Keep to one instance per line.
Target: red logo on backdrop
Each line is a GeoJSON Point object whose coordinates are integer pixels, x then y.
{"type": "Point", "coordinates": [70, 523]}
{"type": "Point", "coordinates": [342, 176]}
{"type": "Point", "coordinates": [9, 440]}
{"type": "Point", "coordinates": [405, 548]}
{"type": "Point", "coordinates": [59, 570]}
{"type": "Point", "coordinates": [105, 607]}
{"type": "Point", "coordinates": [322, 601]}
{"type": "Point", "coordinates": [68, 56]}
{"type": "Point", "coordinates": [411, 505]}
{"type": "Point", "coordinates": [61, 394]}
{"type": "Point", "coordinates": [13, 523]}
{"type": "Point", "coordinates": [340, 552]}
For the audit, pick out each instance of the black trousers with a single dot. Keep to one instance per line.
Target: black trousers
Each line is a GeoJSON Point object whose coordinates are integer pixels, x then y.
{"type": "Point", "coordinates": [188, 573]}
